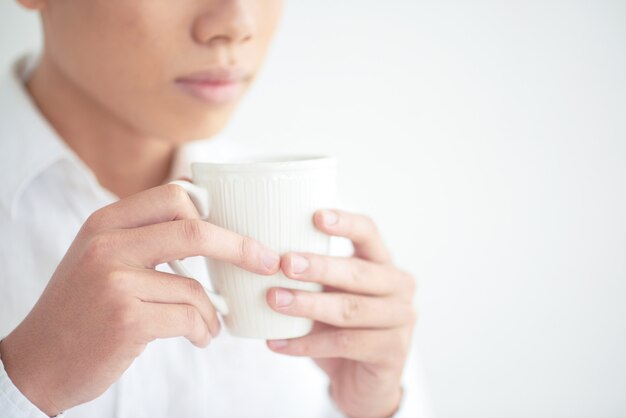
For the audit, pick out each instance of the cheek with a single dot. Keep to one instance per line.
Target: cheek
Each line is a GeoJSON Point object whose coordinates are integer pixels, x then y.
{"type": "Point", "coordinates": [268, 14]}
{"type": "Point", "coordinates": [123, 55]}
{"type": "Point", "coordinates": [106, 40]}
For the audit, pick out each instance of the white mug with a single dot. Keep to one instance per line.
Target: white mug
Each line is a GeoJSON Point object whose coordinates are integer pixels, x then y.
{"type": "Point", "coordinates": [273, 201]}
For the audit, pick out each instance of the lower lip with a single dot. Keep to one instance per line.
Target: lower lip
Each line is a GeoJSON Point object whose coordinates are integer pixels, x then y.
{"type": "Point", "coordinates": [214, 93]}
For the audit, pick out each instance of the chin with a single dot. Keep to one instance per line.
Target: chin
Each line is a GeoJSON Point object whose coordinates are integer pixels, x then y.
{"type": "Point", "coordinates": [199, 129]}
{"type": "Point", "coordinates": [185, 125]}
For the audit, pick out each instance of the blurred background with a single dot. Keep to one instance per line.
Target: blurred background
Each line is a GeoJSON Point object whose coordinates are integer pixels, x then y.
{"type": "Point", "coordinates": [488, 140]}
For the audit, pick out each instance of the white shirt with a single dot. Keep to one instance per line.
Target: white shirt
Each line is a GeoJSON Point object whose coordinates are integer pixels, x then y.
{"type": "Point", "coordinates": [46, 193]}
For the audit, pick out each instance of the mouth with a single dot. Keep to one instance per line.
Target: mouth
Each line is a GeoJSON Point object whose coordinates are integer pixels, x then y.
{"type": "Point", "coordinates": [217, 86]}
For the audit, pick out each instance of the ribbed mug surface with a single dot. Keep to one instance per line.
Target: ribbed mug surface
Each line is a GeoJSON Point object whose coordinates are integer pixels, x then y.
{"type": "Point", "coordinates": [272, 201]}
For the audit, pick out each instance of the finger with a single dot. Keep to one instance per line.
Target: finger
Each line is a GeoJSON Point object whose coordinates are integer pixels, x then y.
{"type": "Point", "coordinates": [350, 274]}
{"type": "Point", "coordinates": [159, 204]}
{"type": "Point", "coordinates": [151, 245]}
{"type": "Point", "coordinates": [359, 229]}
{"type": "Point", "coordinates": [343, 310]}
{"type": "Point", "coordinates": [159, 287]}
{"type": "Point", "coordinates": [163, 320]}
{"type": "Point", "coordinates": [371, 346]}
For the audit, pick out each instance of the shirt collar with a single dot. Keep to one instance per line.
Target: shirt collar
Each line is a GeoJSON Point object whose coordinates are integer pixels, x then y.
{"type": "Point", "coordinates": [28, 144]}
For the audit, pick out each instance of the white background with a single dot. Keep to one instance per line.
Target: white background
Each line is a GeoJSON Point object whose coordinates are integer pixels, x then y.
{"type": "Point", "coordinates": [488, 139]}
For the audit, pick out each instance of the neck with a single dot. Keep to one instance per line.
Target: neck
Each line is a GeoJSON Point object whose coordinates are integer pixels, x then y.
{"type": "Point", "coordinates": [124, 160]}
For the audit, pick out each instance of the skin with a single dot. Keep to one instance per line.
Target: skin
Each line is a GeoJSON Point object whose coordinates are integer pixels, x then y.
{"type": "Point", "coordinates": [124, 117]}
{"type": "Point", "coordinates": [132, 114]}
{"type": "Point", "coordinates": [365, 317]}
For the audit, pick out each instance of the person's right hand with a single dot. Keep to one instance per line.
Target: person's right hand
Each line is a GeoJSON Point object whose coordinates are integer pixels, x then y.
{"type": "Point", "coordinates": [105, 302]}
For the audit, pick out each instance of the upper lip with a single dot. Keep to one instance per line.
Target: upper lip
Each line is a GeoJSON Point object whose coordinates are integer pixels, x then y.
{"type": "Point", "coordinates": [216, 76]}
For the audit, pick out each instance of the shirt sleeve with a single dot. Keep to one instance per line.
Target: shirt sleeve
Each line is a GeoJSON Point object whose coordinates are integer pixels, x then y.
{"type": "Point", "coordinates": [13, 404]}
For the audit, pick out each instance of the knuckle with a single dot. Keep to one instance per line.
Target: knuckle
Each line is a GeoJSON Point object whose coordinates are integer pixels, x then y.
{"type": "Point", "coordinates": [367, 225]}
{"type": "Point", "coordinates": [126, 321]}
{"type": "Point", "coordinates": [175, 193]}
{"type": "Point", "coordinates": [368, 221]}
{"type": "Point", "coordinates": [351, 309]}
{"type": "Point", "coordinates": [343, 340]}
{"type": "Point", "coordinates": [246, 249]}
{"type": "Point", "coordinates": [301, 347]}
{"type": "Point", "coordinates": [195, 288]}
{"type": "Point", "coordinates": [99, 247]}
{"type": "Point", "coordinates": [94, 222]}
{"type": "Point", "coordinates": [191, 316]}
{"type": "Point", "coordinates": [349, 223]}
{"type": "Point", "coordinates": [193, 230]}
{"type": "Point", "coordinates": [116, 281]}
{"type": "Point", "coordinates": [357, 270]}
{"type": "Point", "coordinates": [321, 264]}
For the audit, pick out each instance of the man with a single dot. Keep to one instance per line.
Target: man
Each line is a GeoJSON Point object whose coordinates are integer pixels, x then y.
{"type": "Point", "coordinates": [91, 131]}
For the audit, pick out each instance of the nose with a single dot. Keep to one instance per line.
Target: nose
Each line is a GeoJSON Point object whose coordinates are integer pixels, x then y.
{"type": "Point", "coordinates": [229, 21]}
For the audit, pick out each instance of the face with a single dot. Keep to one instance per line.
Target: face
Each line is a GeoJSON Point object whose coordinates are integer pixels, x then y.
{"type": "Point", "coordinates": [174, 69]}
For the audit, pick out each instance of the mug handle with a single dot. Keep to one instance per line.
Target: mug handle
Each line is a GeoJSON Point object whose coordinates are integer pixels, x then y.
{"type": "Point", "coordinates": [200, 200]}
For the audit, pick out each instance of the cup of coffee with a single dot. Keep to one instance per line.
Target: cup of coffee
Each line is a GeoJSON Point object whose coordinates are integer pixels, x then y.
{"type": "Point", "coordinates": [270, 199]}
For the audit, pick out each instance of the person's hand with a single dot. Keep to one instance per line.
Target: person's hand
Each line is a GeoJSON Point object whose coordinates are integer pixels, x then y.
{"type": "Point", "coordinates": [364, 318]}
{"type": "Point", "coordinates": [105, 302]}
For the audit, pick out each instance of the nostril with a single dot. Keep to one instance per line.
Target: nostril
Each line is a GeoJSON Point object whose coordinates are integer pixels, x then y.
{"type": "Point", "coordinates": [218, 40]}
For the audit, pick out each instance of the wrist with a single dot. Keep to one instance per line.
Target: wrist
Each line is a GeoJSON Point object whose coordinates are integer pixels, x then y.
{"type": "Point", "coordinates": [385, 404]}
{"type": "Point", "coordinates": [21, 373]}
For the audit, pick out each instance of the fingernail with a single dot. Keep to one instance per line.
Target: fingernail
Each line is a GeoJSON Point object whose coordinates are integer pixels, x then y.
{"type": "Point", "coordinates": [270, 259]}
{"type": "Point", "coordinates": [299, 264]}
{"type": "Point", "coordinates": [329, 217]}
{"type": "Point", "coordinates": [283, 297]}
{"type": "Point", "coordinates": [278, 343]}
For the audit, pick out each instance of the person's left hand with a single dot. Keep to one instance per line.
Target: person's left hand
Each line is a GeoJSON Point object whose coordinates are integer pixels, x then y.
{"type": "Point", "coordinates": [364, 318]}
